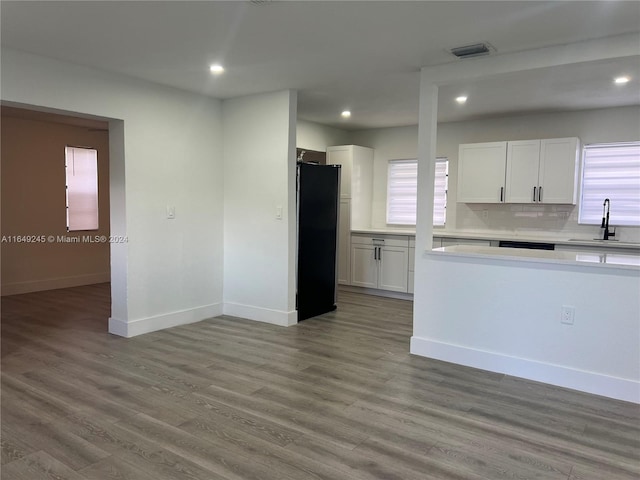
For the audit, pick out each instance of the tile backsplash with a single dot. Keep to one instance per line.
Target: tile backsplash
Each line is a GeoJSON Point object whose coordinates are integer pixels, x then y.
{"type": "Point", "coordinates": [530, 220]}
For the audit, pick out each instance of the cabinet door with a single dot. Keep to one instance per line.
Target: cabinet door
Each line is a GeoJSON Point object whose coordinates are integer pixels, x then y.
{"type": "Point", "coordinates": [559, 170]}
{"type": "Point", "coordinates": [344, 243]}
{"type": "Point", "coordinates": [523, 160]}
{"type": "Point", "coordinates": [481, 172]}
{"type": "Point", "coordinates": [364, 266]}
{"type": "Point", "coordinates": [393, 274]}
{"type": "Point", "coordinates": [341, 155]}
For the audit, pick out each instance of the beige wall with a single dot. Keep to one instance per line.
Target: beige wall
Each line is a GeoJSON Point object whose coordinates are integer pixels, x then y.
{"type": "Point", "coordinates": [33, 203]}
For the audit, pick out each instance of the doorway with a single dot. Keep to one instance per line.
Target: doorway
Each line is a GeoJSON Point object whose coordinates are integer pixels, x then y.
{"type": "Point", "coordinates": [38, 251]}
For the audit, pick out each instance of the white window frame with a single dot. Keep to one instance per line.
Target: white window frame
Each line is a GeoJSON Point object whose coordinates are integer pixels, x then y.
{"type": "Point", "coordinates": [402, 191]}
{"type": "Point", "coordinates": [610, 171]}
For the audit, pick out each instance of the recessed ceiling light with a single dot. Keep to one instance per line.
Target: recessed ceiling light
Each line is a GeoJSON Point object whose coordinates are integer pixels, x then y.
{"type": "Point", "coordinates": [461, 99]}
{"type": "Point", "coordinates": [216, 69]}
{"type": "Point", "coordinates": [346, 114]}
{"type": "Point", "coordinates": [621, 80]}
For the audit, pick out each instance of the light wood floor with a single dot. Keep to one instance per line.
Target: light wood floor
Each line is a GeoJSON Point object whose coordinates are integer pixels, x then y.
{"type": "Point", "coordinates": [336, 397]}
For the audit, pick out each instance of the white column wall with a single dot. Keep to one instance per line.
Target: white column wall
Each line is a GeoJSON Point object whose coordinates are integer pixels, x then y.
{"type": "Point", "coordinates": [259, 179]}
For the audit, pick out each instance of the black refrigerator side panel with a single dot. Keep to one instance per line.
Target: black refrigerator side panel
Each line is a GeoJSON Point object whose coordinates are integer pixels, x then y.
{"type": "Point", "coordinates": [318, 207]}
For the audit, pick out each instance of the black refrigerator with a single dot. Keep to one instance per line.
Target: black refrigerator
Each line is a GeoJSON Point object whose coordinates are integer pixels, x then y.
{"type": "Point", "coordinates": [318, 205]}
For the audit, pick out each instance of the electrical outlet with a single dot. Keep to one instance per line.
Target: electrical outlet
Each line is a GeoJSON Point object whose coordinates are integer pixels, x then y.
{"type": "Point", "coordinates": [485, 214]}
{"type": "Point", "coordinates": [567, 314]}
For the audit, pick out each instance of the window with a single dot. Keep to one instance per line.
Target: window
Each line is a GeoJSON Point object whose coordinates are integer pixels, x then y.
{"type": "Point", "coordinates": [82, 188]}
{"type": "Point", "coordinates": [611, 171]}
{"type": "Point", "coordinates": [440, 191]}
{"type": "Point", "coordinates": [402, 192]}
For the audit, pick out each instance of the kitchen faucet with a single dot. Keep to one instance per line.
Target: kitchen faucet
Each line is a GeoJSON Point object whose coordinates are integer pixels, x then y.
{"type": "Point", "coordinates": [605, 220]}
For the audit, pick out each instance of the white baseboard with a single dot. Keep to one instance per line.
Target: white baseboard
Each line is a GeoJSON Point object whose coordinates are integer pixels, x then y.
{"type": "Point", "coordinates": [54, 283]}
{"type": "Point", "coordinates": [590, 382]}
{"type": "Point", "coordinates": [276, 317]}
{"type": "Point", "coordinates": [160, 322]}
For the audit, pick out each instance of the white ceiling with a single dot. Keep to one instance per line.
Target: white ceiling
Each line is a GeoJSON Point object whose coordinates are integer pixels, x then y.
{"type": "Point", "coordinates": [361, 55]}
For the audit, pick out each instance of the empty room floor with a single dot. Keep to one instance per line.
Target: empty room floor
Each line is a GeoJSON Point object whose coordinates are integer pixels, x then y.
{"type": "Point", "coordinates": [334, 397]}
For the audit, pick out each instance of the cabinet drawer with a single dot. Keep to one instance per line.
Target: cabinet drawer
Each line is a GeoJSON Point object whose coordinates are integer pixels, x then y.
{"type": "Point", "coordinates": [381, 240]}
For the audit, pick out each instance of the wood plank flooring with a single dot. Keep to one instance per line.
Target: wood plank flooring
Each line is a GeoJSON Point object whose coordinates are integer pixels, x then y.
{"type": "Point", "coordinates": [335, 397]}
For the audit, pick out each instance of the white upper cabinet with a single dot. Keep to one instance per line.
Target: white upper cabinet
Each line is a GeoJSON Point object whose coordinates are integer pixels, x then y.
{"type": "Point", "coordinates": [558, 176]}
{"type": "Point", "coordinates": [523, 161]}
{"type": "Point", "coordinates": [481, 171]}
{"type": "Point", "coordinates": [534, 171]}
{"type": "Point", "coordinates": [542, 171]}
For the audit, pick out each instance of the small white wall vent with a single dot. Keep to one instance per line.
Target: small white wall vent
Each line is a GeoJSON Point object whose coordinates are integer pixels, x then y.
{"type": "Point", "coordinates": [475, 50]}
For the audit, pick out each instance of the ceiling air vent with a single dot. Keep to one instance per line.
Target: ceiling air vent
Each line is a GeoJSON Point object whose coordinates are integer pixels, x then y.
{"type": "Point", "coordinates": [475, 50]}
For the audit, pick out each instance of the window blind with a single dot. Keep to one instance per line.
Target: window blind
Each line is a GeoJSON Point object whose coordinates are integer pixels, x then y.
{"type": "Point", "coordinates": [82, 188]}
{"type": "Point", "coordinates": [611, 171]}
{"type": "Point", "coordinates": [402, 192]}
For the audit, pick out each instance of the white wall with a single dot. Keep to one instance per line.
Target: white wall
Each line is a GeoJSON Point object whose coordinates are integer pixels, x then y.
{"type": "Point", "coordinates": [591, 126]}
{"type": "Point", "coordinates": [166, 149]}
{"type": "Point", "coordinates": [314, 136]}
{"type": "Point", "coordinates": [259, 178]}
{"type": "Point", "coordinates": [388, 144]}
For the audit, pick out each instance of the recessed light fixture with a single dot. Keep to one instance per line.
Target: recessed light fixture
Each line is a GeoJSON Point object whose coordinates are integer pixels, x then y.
{"type": "Point", "coordinates": [621, 80]}
{"type": "Point", "coordinates": [345, 114]}
{"type": "Point", "coordinates": [461, 99]}
{"type": "Point", "coordinates": [216, 69]}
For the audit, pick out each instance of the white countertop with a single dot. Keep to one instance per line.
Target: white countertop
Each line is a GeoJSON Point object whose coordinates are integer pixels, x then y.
{"type": "Point", "coordinates": [385, 231]}
{"type": "Point", "coordinates": [610, 260]}
{"type": "Point", "coordinates": [555, 239]}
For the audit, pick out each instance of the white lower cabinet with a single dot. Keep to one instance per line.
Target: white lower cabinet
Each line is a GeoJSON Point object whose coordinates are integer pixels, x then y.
{"type": "Point", "coordinates": [364, 266]}
{"type": "Point", "coordinates": [393, 263]}
{"type": "Point", "coordinates": [380, 262]}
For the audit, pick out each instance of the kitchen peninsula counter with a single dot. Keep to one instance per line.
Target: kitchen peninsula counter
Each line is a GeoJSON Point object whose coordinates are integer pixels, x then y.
{"type": "Point", "coordinates": [602, 259]}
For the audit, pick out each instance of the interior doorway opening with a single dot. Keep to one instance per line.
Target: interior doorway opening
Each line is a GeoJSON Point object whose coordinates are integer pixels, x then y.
{"type": "Point", "coordinates": [39, 250]}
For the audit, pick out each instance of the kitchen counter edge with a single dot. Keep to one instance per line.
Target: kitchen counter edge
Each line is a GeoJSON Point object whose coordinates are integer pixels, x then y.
{"type": "Point", "coordinates": [617, 261]}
